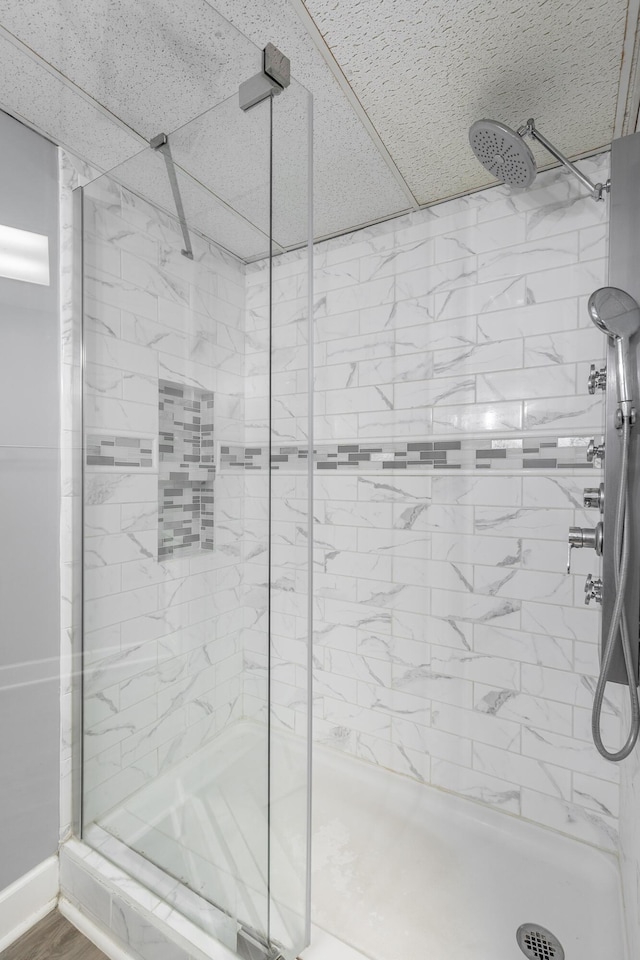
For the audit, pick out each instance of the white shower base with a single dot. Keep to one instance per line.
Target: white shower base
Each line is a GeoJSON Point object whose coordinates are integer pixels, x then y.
{"type": "Point", "coordinates": [407, 872]}
{"type": "Point", "coordinates": [401, 871]}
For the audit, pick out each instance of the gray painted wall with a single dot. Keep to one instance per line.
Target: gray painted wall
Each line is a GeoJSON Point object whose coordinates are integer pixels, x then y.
{"type": "Point", "coordinates": [29, 516]}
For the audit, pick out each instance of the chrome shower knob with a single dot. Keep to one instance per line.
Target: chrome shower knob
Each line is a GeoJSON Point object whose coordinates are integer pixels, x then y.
{"type": "Point", "coordinates": [593, 590]}
{"type": "Point", "coordinates": [597, 379]}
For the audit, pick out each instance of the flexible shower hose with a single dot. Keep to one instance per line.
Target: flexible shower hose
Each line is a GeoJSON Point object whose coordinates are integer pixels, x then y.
{"type": "Point", "coordinates": [618, 618]}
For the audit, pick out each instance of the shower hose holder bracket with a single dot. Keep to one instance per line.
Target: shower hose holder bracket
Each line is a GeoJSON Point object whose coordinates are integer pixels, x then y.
{"type": "Point", "coordinates": [620, 417]}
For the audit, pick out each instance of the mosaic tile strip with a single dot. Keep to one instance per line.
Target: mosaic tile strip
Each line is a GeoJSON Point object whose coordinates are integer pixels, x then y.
{"type": "Point", "coordinates": [479, 453]}
{"type": "Point", "coordinates": [130, 453]}
{"type": "Point", "coordinates": [186, 470]}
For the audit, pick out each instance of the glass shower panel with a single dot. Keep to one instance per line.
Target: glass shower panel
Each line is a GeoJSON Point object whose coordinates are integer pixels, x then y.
{"type": "Point", "coordinates": [291, 521]}
{"type": "Point", "coordinates": [175, 767]}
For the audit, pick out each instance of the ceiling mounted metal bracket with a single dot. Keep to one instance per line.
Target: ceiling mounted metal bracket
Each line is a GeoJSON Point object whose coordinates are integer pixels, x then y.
{"type": "Point", "coordinates": [274, 77]}
{"type": "Point", "coordinates": [161, 143]}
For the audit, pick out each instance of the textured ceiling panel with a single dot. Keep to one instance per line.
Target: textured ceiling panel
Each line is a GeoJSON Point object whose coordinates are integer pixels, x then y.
{"type": "Point", "coordinates": [424, 71]}
{"type": "Point", "coordinates": [156, 64]}
{"type": "Point", "coordinates": [352, 183]}
{"type": "Point", "coordinates": [32, 94]}
{"type": "Point", "coordinates": [102, 76]}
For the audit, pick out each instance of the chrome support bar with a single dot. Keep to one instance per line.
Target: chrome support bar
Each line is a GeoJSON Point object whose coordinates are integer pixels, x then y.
{"type": "Point", "coordinates": [597, 190]}
{"type": "Point", "coordinates": [161, 143]}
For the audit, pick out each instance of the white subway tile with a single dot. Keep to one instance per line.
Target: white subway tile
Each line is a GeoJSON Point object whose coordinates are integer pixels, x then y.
{"type": "Point", "coordinates": [478, 491]}
{"type": "Point", "coordinates": [496, 235]}
{"type": "Point", "coordinates": [528, 257]}
{"type": "Point", "coordinates": [420, 393]}
{"type": "Point", "coordinates": [530, 711]}
{"type": "Point", "coordinates": [520, 384]}
{"type": "Point", "coordinates": [594, 794]}
{"type": "Point", "coordinates": [476, 785]}
{"type": "Point", "coordinates": [574, 280]}
{"type": "Point", "coordinates": [478, 417]}
{"type": "Point", "coordinates": [542, 777]}
{"type": "Point", "coordinates": [571, 819]}
{"type": "Point", "coordinates": [564, 413]}
{"type": "Point", "coordinates": [484, 298]}
{"type": "Point", "coordinates": [566, 752]}
{"type": "Point", "coordinates": [542, 649]}
{"type": "Point", "coordinates": [477, 358]}
{"type": "Point", "coordinates": [567, 346]}
{"type": "Point", "coordinates": [526, 321]}
{"type": "Point", "coordinates": [396, 369]}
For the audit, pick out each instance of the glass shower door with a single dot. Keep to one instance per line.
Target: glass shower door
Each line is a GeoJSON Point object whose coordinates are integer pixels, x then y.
{"type": "Point", "coordinates": [195, 729]}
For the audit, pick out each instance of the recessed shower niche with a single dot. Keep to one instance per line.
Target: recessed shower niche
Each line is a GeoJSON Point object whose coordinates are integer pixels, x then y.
{"type": "Point", "coordinates": [186, 470]}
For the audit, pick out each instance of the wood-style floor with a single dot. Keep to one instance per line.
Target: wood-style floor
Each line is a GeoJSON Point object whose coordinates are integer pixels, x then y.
{"type": "Point", "coordinates": [54, 938]}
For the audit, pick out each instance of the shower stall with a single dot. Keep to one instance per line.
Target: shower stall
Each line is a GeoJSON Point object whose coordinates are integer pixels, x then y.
{"type": "Point", "coordinates": [326, 502]}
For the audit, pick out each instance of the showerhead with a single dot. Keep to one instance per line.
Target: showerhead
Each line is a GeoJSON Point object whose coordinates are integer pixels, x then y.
{"type": "Point", "coordinates": [617, 314]}
{"type": "Point", "coordinates": [503, 152]}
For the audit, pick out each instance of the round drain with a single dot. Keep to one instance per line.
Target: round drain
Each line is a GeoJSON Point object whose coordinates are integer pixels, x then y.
{"type": "Point", "coordinates": [538, 943]}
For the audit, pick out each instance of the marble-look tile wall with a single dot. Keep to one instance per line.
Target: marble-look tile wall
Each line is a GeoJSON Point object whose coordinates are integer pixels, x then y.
{"type": "Point", "coordinates": [450, 645]}
{"type": "Point", "coordinates": [162, 640]}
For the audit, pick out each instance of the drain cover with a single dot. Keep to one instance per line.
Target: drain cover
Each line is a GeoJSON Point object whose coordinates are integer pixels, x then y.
{"type": "Point", "coordinates": [538, 943]}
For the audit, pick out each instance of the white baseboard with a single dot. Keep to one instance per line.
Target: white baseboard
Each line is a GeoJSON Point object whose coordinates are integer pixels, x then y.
{"type": "Point", "coordinates": [28, 900]}
{"type": "Point", "coordinates": [93, 932]}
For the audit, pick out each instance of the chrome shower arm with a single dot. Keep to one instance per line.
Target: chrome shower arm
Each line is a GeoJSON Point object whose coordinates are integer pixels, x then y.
{"type": "Point", "coordinates": [597, 190]}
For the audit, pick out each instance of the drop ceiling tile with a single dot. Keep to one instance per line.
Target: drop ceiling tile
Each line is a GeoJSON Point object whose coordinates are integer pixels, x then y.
{"type": "Point", "coordinates": [352, 183]}
{"type": "Point", "coordinates": [425, 71]}
{"type": "Point", "coordinates": [29, 92]}
{"type": "Point", "coordinates": [155, 64]}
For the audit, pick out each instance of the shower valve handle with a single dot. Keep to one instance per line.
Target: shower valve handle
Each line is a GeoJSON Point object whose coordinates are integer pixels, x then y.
{"type": "Point", "coordinates": [592, 590]}
{"type": "Point", "coordinates": [597, 379]}
{"type": "Point", "coordinates": [584, 537]}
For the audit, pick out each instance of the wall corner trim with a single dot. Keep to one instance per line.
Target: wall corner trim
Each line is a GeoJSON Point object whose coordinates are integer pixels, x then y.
{"type": "Point", "coordinates": [28, 900]}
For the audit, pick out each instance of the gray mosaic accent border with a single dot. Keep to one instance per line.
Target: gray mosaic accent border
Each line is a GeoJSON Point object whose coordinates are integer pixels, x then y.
{"type": "Point", "coordinates": [186, 470]}
{"type": "Point", "coordinates": [130, 453]}
{"type": "Point", "coordinates": [471, 453]}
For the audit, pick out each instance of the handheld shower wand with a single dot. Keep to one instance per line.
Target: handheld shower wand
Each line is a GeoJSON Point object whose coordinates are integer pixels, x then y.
{"type": "Point", "coordinates": [617, 314]}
